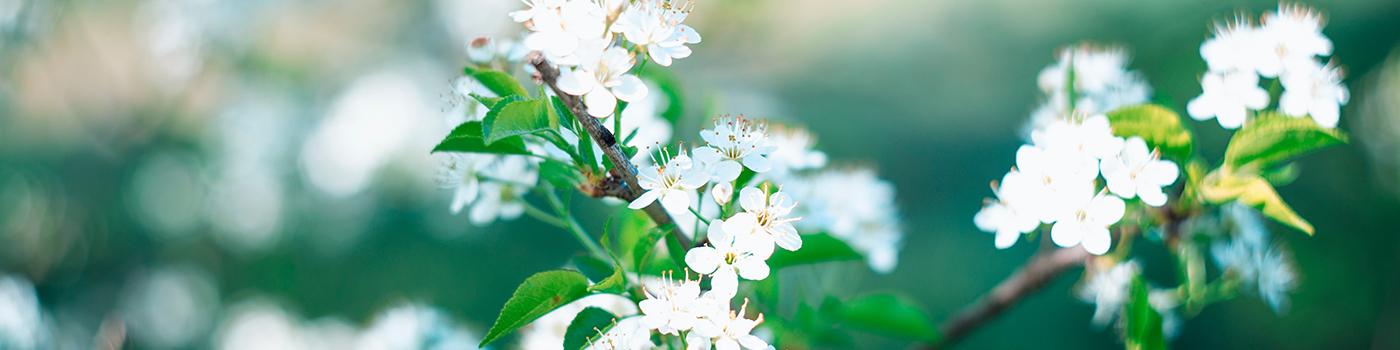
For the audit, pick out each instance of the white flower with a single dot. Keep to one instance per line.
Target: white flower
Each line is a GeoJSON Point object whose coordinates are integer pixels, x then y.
{"type": "Point", "coordinates": [459, 173]}
{"type": "Point", "coordinates": [1052, 176]}
{"type": "Point", "coordinates": [414, 326]}
{"type": "Point", "coordinates": [601, 78]}
{"type": "Point", "coordinates": [793, 150]}
{"type": "Point", "coordinates": [1090, 136]}
{"type": "Point", "coordinates": [561, 29]}
{"type": "Point", "coordinates": [503, 194]}
{"type": "Point", "coordinates": [672, 183]}
{"type": "Point", "coordinates": [1276, 278]}
{"type": "Point", "coordinates": [1084, 220]}
{"type": "Point", "coordinates": [547, 332]}
{"type": "Point", "coordinates": [722, 192]}
{"type": "Point", "coordinates": [643, 125]}
{"type": "Point", "coordinates": [656, 26]}
{"type": "Point", "coordinates": [726, 259]}
{"type": "Point", "coordinates": [1235, 48]}
{"type": "Point", "coordinates": [1251, 258]}
{"type": "Point", "coordinates": [21, 319]}
{"type": "Point", "coordinates": [767, 216]}
{"type": "Point", "coordinates": [627, 334]}
{"type": "Point", "coordinates": [1011, 215]}
{"type": "Point", "coordinates": [1137, 172]}
{"type": "Point", "coordinates": [1290, 39]}
{"type": "Point", "coordinates": [1102, 81]}
{"type": "Point", "coordinates": [734, 141]}
{"type": "Point", "coordinates": [1314, 90]}
{"type": "Point", "coordinates": [671, 306]}
{"type": "Point", "coordinates": [730, 331]}
{"type": "Point", "coordinates": [855, 206]}
{"type": "Point", "coordinates": [1228, 97]}
{"type": "Point", "coordinates": [1108, 290]}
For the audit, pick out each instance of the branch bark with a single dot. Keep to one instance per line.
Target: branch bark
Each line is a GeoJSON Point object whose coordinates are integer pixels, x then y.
{"type": "Point", "coordinates": [1042, 268]}
{"type": "Point", "coordinates": [622, 165]}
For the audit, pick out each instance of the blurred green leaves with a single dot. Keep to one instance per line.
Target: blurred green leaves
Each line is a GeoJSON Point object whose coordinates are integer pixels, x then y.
{"type": "Point", "coordinates": [468, 138]}
{"type": "Point", "coordinates": [1158, 126]}
{"type": "Point", "coordinates": [1271, 138]}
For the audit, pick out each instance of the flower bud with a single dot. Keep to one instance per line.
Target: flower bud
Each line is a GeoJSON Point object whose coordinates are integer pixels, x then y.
{"type": "Point", "coordinates": [722, 192]}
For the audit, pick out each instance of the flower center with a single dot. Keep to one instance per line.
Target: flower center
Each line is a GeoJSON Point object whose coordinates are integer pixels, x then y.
{"type": "Point", "coordinates": [730, 258]}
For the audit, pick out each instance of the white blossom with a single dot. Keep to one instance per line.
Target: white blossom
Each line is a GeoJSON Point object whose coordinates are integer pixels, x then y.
{"type": "Point", "coordinates": [767, 216]}
{"type": "Point", "coordinates": [1137, 172]}
{"type": "Point", "coordinates": [673, 182]}
{"type": "Point", "coordinates": [855, 206]}
{"type": "Point", "coordinates": [1250, 257]}
{"type": "Point", "coordinates": [1053, 175]}
{"type": "Point", "coordinates": [672, 306]}
{"type": "Point", "coordinates": [627, 334]}
{"type": "Point", "coordinates": [1012, 213]}
{"type": "Point", "coordinates": [1102, 81]}
{"type": "Point", "coordinates": [547, 332]}
{"type": "Point", "coordinates": [728, 330]}
{"type": "Point", "coordinates": [1228, 97]}
{"type": "Point", "coordinates": [494, 186]}
{"type": "Point", "coordinates": [21, 318]}
{"type": "Point", "coordinates": [793, 150]}
{"type": "Point", "coordinates": [1235, 48]}
{"type": "Point", "coordinates": [1290, 39]}
{"type": "Point", "coordinates": [1089, 136]}
{"type": "Point", "coordinates": [722, 192]}
{"type": "Point", "coordinates": [655, 25]}
{"type": "Point", "coordinates": [560, 29]}
{"type": "Point", "coordinates": [727, 258]}
{"type": "Point", "coordinates": [733, 144]}
{"type": "Point", "coordinates": [1314, 90]}
{"type": "Point", "coordinates": [1084, 220]}
{"type": "Point", "coordinates": [601, 78]}
{"type": "Point", "coordinates": [1107, 288]}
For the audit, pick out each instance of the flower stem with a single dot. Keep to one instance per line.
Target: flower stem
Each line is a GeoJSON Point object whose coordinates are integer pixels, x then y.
{"type": "Point", "coordinates": [571, 224]}
{"type": "Point", "coordinates": [541, 215]}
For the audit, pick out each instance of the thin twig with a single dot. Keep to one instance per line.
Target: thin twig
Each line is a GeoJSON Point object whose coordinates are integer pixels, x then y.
{"type": "Point", "coordinates": [1034, 275]}
{"type": "Point", "coordinates": [622, 165]}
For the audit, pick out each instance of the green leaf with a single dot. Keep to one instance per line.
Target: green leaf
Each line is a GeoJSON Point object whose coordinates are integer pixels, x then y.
{"type": "Point", "coordinates": [889, 315]}
{"type": "Point", "coordinates": [566, 117]}
{"type": "Point", "coordinates": [816, 248]}
{"type": "Point", "coordinates": [514, 116]}
{"type": "Point", "coordinates": [1271, 138]}
{"type": "Point", "coordinates": [593, 268]}
{"type": "Point", "coordinates": [1144, 324]}
{"type": "Point", "coordinates": [586, 326]}
{"type": "Point", "coordinates": [467, 138]}
{"type": "Point", "coordinates": [675, 250]}
{"type": "Point", "coordinates": [1158, 126]}
{"type": "Point", "coordinates": [560, 174]}
{"type": "Point", "coordinates": [1223, 186]}
{"type": "Point", "coordinates": [645, 247]}
{"type": "Point", "coordinates": [538, 295]}
{"type": "Point", "coordinates": [501, 83]}
{"type": "Point", "coordinates": [489, 102]}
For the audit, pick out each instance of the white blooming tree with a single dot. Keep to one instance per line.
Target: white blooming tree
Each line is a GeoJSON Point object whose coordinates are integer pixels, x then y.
{"type": "Point", "coordinates": [703, 232]}
{"type": "Point", "coordinates": [1106, 172]}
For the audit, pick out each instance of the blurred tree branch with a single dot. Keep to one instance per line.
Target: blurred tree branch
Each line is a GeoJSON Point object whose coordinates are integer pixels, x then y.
{"type": "Point", "coordinates": [622, 168]}
{"type": "Point", "coordinates": [1042, 268]}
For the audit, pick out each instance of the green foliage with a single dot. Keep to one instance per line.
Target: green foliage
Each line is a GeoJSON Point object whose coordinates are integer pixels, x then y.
{"type": "Point", "coordinates": [560, 174]}
{"type": "Point", "coordinates": [1143, 330]}
{"type": "Point", "coordinates": [593, 268]}
{"type": "Point", "coordinates": [588, 325]}
{"type": "Point", "coordinates": [500, 83]}
{"type": "Point", "coordinates": [467, 138]}
{"type": "Point", "coordinates": [889, 315]}
{"type": "Point", "coordinates": [515, 116]}
{"type": "Point", "coordinates": [645, 247]}
{"type": "Point", "coordinates": [816, 248]}
{"type": "Point", "coordinates": [538, 295]}
{"type": "Point", "coordinates": [1223, 186]}
{"type": "Point", "coordinates": [1271, 138]}
{"type": "Point", "coordinates": [1160, 127]}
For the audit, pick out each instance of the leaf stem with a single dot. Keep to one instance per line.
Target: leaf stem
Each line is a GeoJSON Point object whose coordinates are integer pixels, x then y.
{"type": "Point", "coordinates": [572, 225]}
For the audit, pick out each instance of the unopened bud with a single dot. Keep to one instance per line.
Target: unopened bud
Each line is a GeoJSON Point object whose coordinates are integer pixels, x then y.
{"type": "Point", "coordinates": [722, 193]}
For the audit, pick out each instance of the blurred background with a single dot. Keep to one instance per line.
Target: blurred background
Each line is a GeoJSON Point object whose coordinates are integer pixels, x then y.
{"type": "Point", "coordinates": [221, 173]}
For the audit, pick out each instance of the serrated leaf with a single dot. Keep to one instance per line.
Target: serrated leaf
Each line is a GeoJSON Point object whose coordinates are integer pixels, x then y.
{"type": "Point", "coordinates": [1271, 138]}
{"type": "Point", "coordinates": [538, 295]}
{"type": "Point", "coordinates": [816, 248]}
{"type": "Point", "coordinates": [1160, 127]}
{"type": "Point", "coordinates": [467, 138]}
{"type": "Point", "coordinates": [593, 268]}
{"type": "Point", "coordinates": [500, 83]}
{"type": "Point", "coordinates": [586, 326]}
{"type": "Point", "coordinates": [1223, 186]}
{"type": "Point", "coordinates": [889, 315]}
{"type": "Point", "coordinates": [1144, 324]}
{"type": "Point", "coordinates": [489, 102]}
{"type": "Point", "coordinates": [645, 247]}
{"type": "Point", "coordinates": [514, 117]}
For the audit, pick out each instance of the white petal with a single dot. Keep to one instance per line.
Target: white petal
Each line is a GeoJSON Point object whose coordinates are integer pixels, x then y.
{"type": "Point", "coordinates": [752, 199]}
{"type": "Point", "coordinates": [631, 90]}
{"type": "Point", "coordinates": [726, 344]}
{"type": "Point", "coordinates": [1152, 196]}
{"type": "Point", "coordinates": [757, 163]}
{"type": "Point", "coordinates": [576, 82]}
{"type": "Point", "coordinates": [741, 224]}
{"type": "Point", "coordinates": [601, 102]}
{"type": "Point", "coordinates": [702, 259]}
{"type": "Point", "coordinates": [1097, 241]}
{"type": "Point", "coordinates": [1066, 234]}
{"type": "Point", "coordinates": [645, 199]}
{"type": "Point", "coordinates": [785, 235]}
{"type": "Point", "coordinates": [1006, 238]}
{"type": "Point", "coordinates": [1106, 210]}
{"type": "Point", "coordinates": [724, 282]}
{"type": "Point", "coordinates": [677, 200]}
{"type": "Point", "coordinates": [752, 342]}
{"type": "Point", "coordinates": [752, 268]}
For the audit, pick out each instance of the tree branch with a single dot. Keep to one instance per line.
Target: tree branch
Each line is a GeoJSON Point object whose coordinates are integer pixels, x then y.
{"type": "Point", "coordinates": [622, 165]}
{"type": "Point", "coordinates": [1042, 268]}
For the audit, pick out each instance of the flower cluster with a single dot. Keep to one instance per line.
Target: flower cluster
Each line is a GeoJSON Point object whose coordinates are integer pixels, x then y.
{"type": "Point", "coordinates": [856, 206]}
{"type": "Point", "coordinates": [581, 36]}
{"type": "Point", "coordinates": [1250, 257]}
{"type": "Point", "coordinates": [1286, 46]}
{"type": "Point", "coordinates": [494, 185]}
{"type": "Point", "coordinates": [1100, 83]}
{"type": "Point", "coordinates": [1055, 181]}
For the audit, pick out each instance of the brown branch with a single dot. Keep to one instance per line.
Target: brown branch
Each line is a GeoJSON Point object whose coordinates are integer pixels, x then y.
{"type": "Point", "coordinates": [1037, 272]}
{"type": "Point", "coordinates": [622, 165]}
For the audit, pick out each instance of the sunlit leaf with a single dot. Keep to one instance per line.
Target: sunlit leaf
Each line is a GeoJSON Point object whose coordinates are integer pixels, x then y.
{"type": "Point", "coordinates": [1271, 138]}
{"type": "Point", "coordinates": [538, 295]}
{"type": "Point", "coordinates": [587, 325]}
{"type": "Point", "coordinates": [1224, 186]}
{"type": "Point", "coordinates": [1160, 127]}
{"type": "Point", "coordinates": [816, 248]}
{"type": "Point", "coordinates": [467, 138]}
{"type": "Point", "coordinates": [1144, 325]}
